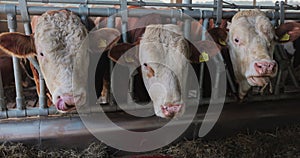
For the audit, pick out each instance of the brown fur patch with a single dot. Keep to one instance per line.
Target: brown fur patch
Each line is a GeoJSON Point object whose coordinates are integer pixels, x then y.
{"type": "Point", "coordinates": [17, 44]}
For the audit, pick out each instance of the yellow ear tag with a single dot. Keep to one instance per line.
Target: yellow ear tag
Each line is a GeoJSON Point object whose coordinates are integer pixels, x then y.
{"type": "Point", "coordinates": [285, 37]}
{"type": "Point", "coordinates": [102, 43]}
{"type": "Point", "coordinates": [222, 42]}
{"type": "Point", "coordinates": [203, 57]}
{"type": "Point", "coordinates": [129, 59]}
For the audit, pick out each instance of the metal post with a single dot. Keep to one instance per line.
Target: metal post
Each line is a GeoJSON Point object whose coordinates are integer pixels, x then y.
{"type": "Point", "coordinates": [201, 76]}
{"type": "Point", "coordinates": [2, 100]}
{"type": "Point", "coordinates": [111, 24]}
{"type": "Point", "coordinates": [43, 109]}
{"type": "Point", "coordinates": [281, 15]}
{"type": "Point", "coordinates": [288, 65]}
{"type": "Point", "coordinates": [124, 27]}
{"type": "Point", "coordinates": [187, 21]}
{"type": "Point", "coordinates": [124, 16]}
{"type": "Point", "coordinates": [218, 12]}
{"type": "Point", "coordinates": [12, 25]}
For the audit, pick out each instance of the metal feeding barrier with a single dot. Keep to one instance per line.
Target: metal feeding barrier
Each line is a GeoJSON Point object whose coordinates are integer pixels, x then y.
{"type": "Point", "coordinates": [198, 11]}
{"type": "Point", "coordinates": [193, 10]}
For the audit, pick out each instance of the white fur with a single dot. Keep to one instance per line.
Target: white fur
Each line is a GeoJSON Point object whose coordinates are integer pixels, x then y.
{"type": "Point", "coordinates": [256, 43]}
{"type": "Point", "coordinates": [164, 49]}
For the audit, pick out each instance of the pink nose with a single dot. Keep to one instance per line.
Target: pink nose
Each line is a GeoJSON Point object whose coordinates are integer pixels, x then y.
{"type": "Point", "coordinates": [264, 67]}
{"type": "Point", "coordinates": [170, 110]}
{"type": "Point", "coordinates": [65, 102]}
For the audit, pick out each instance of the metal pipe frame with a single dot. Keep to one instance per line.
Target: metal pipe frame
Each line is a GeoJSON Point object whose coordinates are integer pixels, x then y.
{"type": "Point", "coordinates": [139, 3]}
{"type": "Point", "coordinates": [37, 10]}
{"type": "Point", "coordinates": [174, 14]}
{"type": "Point", "coordinates": [2, 98]}
{"type": "Point", "coordinates": [12, 25]}
{"type": "Point", "coordinates": [48, 131]}
{"type": "Point", "coordinates": [27, 27]}
{"type": "Point", "coordinates": [201, 75]}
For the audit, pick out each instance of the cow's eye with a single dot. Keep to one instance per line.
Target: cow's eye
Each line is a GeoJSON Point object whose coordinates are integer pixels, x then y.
{"type": "Point", "coordinates": [41, 54]}
{"type": "Point", "coordinates": [236, 40]}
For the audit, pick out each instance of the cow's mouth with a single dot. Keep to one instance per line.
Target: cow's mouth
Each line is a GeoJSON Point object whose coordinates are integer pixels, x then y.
{"type": "Point", "coordinates": [63, 106]}
{"type": "Point", "coordinates": [66, 104]}
{"type": "Point", "coordinates": [258, 80]}
{"type": "Point", "coordinates": [171, 110]}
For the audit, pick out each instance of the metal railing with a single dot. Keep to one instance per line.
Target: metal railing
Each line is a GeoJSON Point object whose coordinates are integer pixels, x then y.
{"type": "Point", "coordinates": [190, 10]}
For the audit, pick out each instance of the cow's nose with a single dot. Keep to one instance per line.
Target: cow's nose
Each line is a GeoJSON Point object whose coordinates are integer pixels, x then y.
{"type": "Point", "coordinates": [265, 67]}
{"type": "Point", "coordinates": [68, 99]}
{"type": "Point", "coordinates": [65, 102]}
{"type": "Point", "coordinates": [170, 110]}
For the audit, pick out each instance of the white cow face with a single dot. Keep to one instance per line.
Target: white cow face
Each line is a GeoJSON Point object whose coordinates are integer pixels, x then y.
{"type": "Point", "coordinates": [57, 42]}
{"type": "Point", "coordinates": [251, 43]}
{"type": "Point", "coordinates": [58, 37]}
{"type": "Point", "coordinates": [162, 54]}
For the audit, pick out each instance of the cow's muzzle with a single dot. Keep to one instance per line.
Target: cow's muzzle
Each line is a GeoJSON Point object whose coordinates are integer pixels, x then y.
{"type": "Point", "coordinates": [66, 102]}
{"type": "Point", "coordinates": [171, 110]}
{"type": "Point", "coordinates": [265, 68]}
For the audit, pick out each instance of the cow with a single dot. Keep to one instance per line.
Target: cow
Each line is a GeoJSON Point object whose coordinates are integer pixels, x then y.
{"type": "Point", "coordinates": [56, 44]}
{"type": "Point", "coordinates": [251, 41]}
{"type": "Point", "coordinates": [164, 55]}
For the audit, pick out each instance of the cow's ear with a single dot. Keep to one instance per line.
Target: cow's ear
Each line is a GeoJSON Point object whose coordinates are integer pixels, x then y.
{"type": "Point", "coordinates": [17, 44]}
{"type": "Point", "coordinates": [202, 51]}
{"type": "Point", "coordinates": [124, 53]}
{"type": "Point", "coordinates": [219, 35]}
{"type": "Point", "coordinates": [288, 32]}
{"type": "Point", "coordinates": [103, 39]}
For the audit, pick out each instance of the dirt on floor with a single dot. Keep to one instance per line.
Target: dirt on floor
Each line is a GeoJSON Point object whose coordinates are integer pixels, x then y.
{"type": "Point", "coordinates": [279, 143]}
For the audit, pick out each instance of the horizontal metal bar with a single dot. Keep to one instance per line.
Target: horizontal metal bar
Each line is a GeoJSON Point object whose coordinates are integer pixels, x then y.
{"type": "Point", "coordinates": [196, 13]}
{"type": "Point", "coordinates": [48, 131]}
{"type": "Point", "coordinates": [232, 6]}
{"type": "Point", "coordinates": [12, 113]}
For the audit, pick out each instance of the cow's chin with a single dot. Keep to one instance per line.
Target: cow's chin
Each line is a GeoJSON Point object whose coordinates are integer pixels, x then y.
{"type": "Point", "coordinates": [258, 80]}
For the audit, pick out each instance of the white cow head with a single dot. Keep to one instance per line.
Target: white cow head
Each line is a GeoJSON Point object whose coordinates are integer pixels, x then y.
{"type": "Point", "coordinates": [164, 55]}
{"type": "Point", "coordinates": [251, 41]}
{"type": "Point", "coordinates": [56, 43]}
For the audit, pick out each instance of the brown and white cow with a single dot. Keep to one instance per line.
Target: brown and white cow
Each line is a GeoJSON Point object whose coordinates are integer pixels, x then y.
{"type": "Point", "coordinates": [164, 55]}
{"type": "Point", "coordinates": [56, 43]}
{"type": "Point", "coordinates": [251, 41]}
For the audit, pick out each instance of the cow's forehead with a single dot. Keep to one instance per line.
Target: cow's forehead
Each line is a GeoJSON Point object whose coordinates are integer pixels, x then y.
{"type": "Point", "coordinates": [253, 27]}
{"type": "Point", "coordinates": [59, 31]}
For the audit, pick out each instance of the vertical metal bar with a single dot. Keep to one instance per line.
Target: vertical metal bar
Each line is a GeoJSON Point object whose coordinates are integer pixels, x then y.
{"type": "Point", "coordinates": [124, 16]}
{"type": "Point", "coordinates": [201, 76]}
{"type": "Point", "coordinates": [281, 15]}
{"type": "Point", "coordinates": [111, 24]}
{"type": "Point", "coordinates": [187, 22]}
{"type": "Point", "coordinates": [277, 84]}
{"type": "Point", "coordinates": [12, 25]}
{"type": "Point", "coordinates": [124, 27]}
{"type": "Point", "coordinates": [292, 75]}
{"type": "Point", "coordinates": [230, 81]}
{"type": "Point", "coordinates": [219, 12]}
{"type": "Point", "coordinates": [282, 66]}
{"type": "Point", "coordinates": [288, 65]}
{"type": "Point", "coordinates": [43, 109]}
{"type": "Point", "coordinates": [2, 100]}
